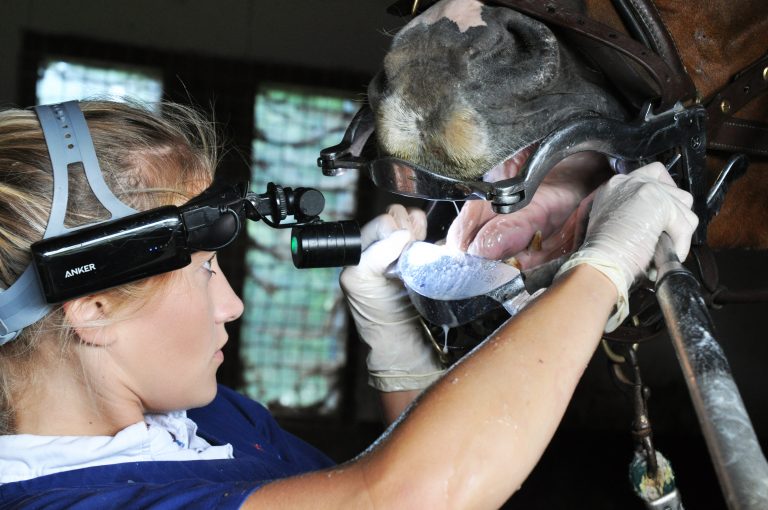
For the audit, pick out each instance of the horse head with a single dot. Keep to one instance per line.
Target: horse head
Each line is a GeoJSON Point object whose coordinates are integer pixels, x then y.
{"type": "Point", "coordinates": [465, 86]}
{"type": "Point", "coordinates": [468, 89]}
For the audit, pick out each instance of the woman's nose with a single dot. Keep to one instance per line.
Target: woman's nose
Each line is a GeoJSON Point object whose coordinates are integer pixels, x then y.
{"type": "Point", "coordinates": [234, 305]}
{"type": "Point", "coordinates": [229, 306]}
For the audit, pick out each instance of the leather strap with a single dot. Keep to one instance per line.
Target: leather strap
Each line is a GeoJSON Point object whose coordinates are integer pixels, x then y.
{"type": "Point", "coordinates": [737, 135]}
{"type": "Point", "coordinates": [745, 136]}
{"type": "Point", "coordinates": [653, 33]}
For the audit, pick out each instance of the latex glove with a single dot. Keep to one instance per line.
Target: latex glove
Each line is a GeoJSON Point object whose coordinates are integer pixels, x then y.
{"type": "Point", "coordinates": [401, 357]}
{"type": "Point", "coordinates": [628, 215]}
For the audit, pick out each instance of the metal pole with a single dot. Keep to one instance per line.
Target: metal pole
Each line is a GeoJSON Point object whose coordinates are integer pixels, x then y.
{"type": "Point", "coordinates": [739, 462]}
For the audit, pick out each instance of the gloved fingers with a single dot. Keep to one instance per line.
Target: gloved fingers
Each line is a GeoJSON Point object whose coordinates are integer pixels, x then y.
{"type": "Point", "coordinates": [375, 260]}
{"type": "Point", "coordinates": [657, 172]}
{"type": "Point", "coordinates": [400, 214]}
{"type": "Point", "coordinates": [648, 182]}
{"type": "Point", "coordinates": [681, 228]}
{"type": "Point", "coordinates": [417, 220]}
{"type": "Point", "coordinates": [378, 228]}
{"type": "Point", "coordinates": [412, 218]}
{"type": "Point", "coordinates": [682, 221]}
{"type": "Point", "coordinates": [395, 218]}
{"type": "Point", "coordinates": [681, 196]}
{"type": "Point", "coordinates": [654, 171]}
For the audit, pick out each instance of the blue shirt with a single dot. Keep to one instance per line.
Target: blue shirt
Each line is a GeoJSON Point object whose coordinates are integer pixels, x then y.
{"type": "Point", "coordinates": [263, 452]}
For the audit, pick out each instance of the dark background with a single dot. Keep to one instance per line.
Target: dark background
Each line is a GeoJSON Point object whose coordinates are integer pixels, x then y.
{"type": "Point", "coordinates": [214, 52]}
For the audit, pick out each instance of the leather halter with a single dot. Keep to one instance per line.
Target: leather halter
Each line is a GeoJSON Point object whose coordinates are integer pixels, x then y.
{"type": "Point", "coordinates": [660, 68]}
{"type": "Point", "coordinates": [663, 65]}
{"type": "Point", "coordinates": [739, 135]}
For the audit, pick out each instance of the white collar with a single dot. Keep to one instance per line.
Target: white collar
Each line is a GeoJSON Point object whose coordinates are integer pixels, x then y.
{"type": "Point", "coordinates": [170, 436]}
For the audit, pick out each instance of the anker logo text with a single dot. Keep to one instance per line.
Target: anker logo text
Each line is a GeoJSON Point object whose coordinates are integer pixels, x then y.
{"type": "Point", "coordinates": [77, 270]}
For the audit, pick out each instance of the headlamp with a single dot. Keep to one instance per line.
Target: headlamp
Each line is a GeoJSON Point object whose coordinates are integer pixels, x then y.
{"type": "Point", "coordinates": [132, 245]}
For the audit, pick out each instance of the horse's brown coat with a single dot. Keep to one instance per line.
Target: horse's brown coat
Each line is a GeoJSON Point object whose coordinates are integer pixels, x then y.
{"type": "Point", "coordinates": [715, 40]}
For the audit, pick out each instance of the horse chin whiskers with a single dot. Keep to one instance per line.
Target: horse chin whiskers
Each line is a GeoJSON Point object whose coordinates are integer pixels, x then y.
{"type": "Point", "coordinates": [454, 143]}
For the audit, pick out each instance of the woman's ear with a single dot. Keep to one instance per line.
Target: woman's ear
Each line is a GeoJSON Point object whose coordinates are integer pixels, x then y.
{"type": "Point", "coordinates": [87, 316]}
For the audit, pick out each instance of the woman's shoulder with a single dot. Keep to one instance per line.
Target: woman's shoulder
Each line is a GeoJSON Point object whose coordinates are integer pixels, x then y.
{"type": "Point", "coordinates": [263, 452]}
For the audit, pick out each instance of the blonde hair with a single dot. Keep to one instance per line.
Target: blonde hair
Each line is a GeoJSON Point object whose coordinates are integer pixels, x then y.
{"type": "Point", "coordinates": [147, 159]}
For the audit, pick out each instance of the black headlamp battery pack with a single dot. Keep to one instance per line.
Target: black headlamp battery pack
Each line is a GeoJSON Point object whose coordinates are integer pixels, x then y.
{"type": "Point", "coordinates": [110, 254]}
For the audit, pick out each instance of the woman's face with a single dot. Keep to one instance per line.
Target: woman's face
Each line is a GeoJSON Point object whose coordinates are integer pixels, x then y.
{"type": "Point", "coordinates": [166, 355]}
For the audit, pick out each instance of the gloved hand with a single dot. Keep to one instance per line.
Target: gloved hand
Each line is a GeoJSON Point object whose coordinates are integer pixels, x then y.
{"type": "Point", "coordinates": [401, 357]}
{"type": "Point", "coordinates": [628, 215]}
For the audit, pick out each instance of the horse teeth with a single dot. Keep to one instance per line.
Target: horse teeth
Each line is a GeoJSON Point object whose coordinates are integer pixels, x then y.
{"type": "Point", "coordinates": [535, 242]}
{"type": "Point", "coordinates": [512, 261]}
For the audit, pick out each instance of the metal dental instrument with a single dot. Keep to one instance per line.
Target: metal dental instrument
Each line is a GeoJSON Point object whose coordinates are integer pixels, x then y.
{"type": "Point", "coordinates": [451, 288]}
{"type": "Point", "coordinates": [637, 142]}
{"type": "Point", "coordinates": [740, 465]}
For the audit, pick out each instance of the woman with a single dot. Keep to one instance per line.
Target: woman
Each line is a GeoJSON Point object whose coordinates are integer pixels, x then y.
{"type": "Point", "coordinates": [110, 399]}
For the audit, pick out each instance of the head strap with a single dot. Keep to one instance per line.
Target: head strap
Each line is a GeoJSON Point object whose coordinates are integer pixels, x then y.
{"type": "Point", "coordinates": [69, 142]}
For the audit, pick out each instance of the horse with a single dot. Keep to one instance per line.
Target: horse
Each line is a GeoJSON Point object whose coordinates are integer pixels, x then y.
{"type": "Point", "coordinates": [468, 89]}
{"type": "Point", "coordinates": [471, 90]}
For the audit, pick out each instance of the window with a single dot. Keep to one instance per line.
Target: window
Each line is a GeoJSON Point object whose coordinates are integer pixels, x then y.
{"type": "Point", "coordinates": [60, 80]}
{"type": "Point", "coordinates": [294, 330]}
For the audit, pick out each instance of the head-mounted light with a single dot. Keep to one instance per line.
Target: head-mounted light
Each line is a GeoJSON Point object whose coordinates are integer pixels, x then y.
{"type": "Point", "coordinates": [131, 245]}
{"type": "Point", "coordinates": [69, 143]}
